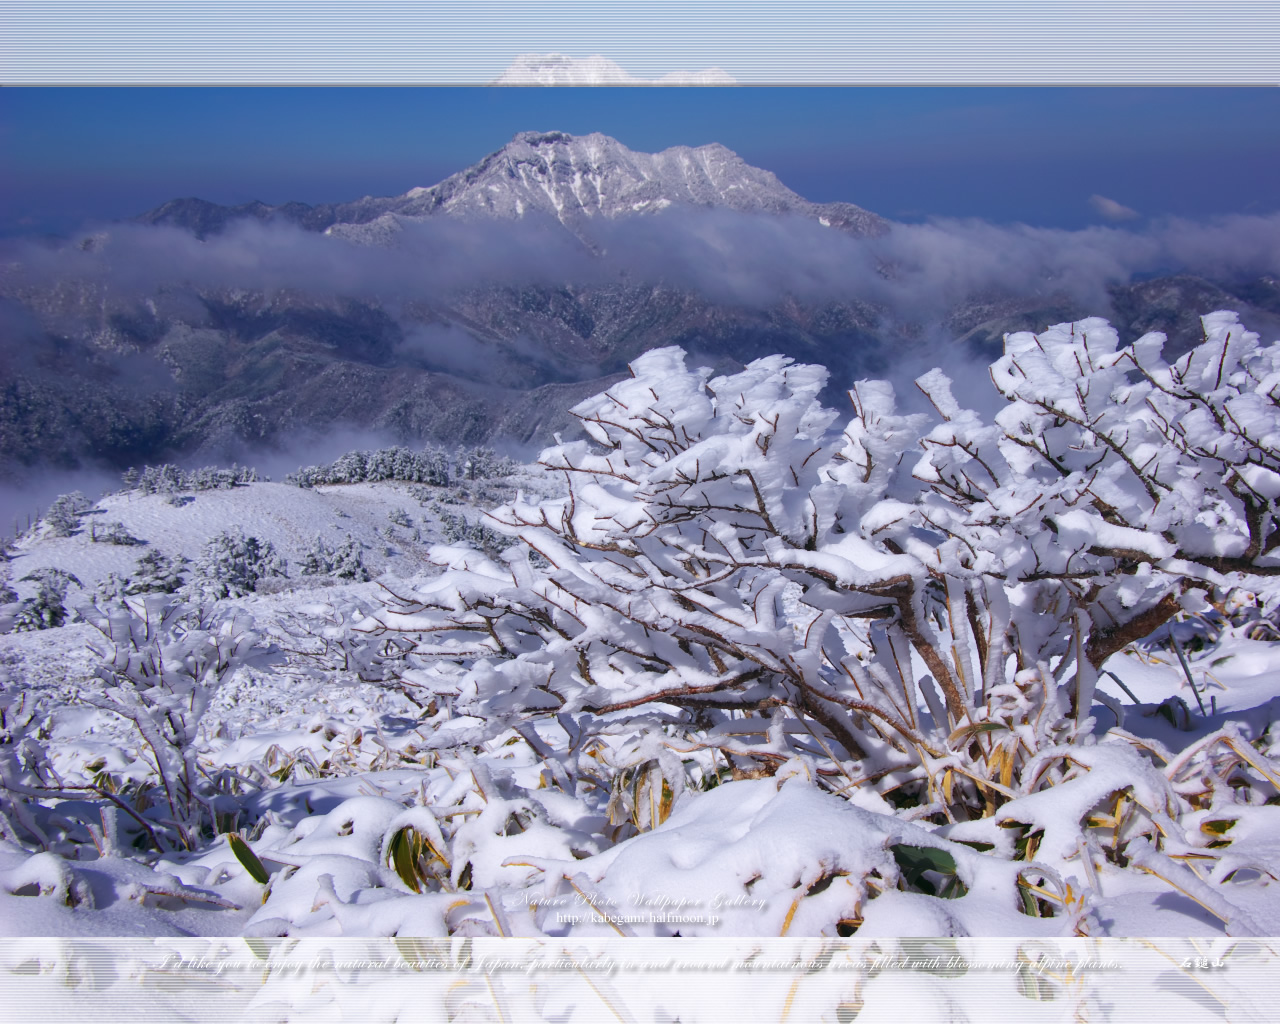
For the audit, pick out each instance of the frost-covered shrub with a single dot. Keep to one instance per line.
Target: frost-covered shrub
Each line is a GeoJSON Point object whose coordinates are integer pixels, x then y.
{"type": "Point", "coordinates": [63, 517]}
{"type": "Point", "coordinates": [400, 517]}
{"type": "Point", "coordinates": [916, 608]}
{"type": "Point", "coordinates": [46, 609]}
{"type": "Point", "coordinates": [232, 565]}
{"type": "Point", "coordinates": [111, 587]}
{"type": "Point", "coordinates": [343, 562]}
{"type": "Point", "coordinates": [482, 464]}
{"type": "Point", "coordinates": [456, 529]}
{"type": "Point", "coordinates": [113, 533]}
{"type": "Point", "coordinates": [163, 662]}
{"type": "Point", "coordinates": [156, 573]}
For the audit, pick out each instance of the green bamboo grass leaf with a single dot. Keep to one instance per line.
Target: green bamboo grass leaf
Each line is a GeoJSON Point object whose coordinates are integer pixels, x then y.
{"type": "Point", "coordinates": [404, 850]}
{"type": "Point", "coordinates": [248, 858]}
{"type": "Point", "coordinates": [914, 861]}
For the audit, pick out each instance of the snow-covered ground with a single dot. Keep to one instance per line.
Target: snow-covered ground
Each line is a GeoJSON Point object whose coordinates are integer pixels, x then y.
{"type": "Point", "coordinates": [354, 766]}
{"type": "Point", "coordinates": [288, 517]}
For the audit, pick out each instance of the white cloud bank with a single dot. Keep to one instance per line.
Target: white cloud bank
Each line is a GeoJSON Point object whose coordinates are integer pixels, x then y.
{"type": "Point", "coordinates": [1112, 210]}
{"type": "Point", "coordinates": [559, 69]}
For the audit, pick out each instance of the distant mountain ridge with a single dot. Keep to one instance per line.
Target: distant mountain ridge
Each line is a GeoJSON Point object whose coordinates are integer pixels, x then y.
{"type": "Point", "coordinates": [568, 178]}
{"type": "Point", "coordinates": [154, 365]}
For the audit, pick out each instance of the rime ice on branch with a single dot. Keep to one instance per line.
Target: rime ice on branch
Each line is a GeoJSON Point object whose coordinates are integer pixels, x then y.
{"type": "Point", "coordinates": [724, 553]}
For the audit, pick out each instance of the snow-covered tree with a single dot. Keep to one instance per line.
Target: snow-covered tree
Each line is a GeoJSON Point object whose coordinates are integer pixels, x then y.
{"type": "Point", "coordinates": [112, 587]}
{"type": "Point", "coordinates": [63, 517]}
{"type": "Point", "coordinates": [457, 529]}
{"type": "Point", "coordinates": [480, 463]}
{"type": "Point", "coordinates": [156, 573]}
{"type": "Point", "coordinates": [46, 609]}
{"type": "Point", "coordinates": [7, 593]}
{"type": "Point", "coordinates": [347, 562]}
{"type": "Point", "coordinates": [170, 479]}
{"type": "Point", "coordinates": [232, 565]}
{"type": "Point", "coordinates": [344, 561]}
{"type": "Point", "coordinates": [428, 466]}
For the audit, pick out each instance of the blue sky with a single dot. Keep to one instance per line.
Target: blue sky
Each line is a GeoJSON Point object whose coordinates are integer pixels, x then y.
{"type": "Point", "coordinates": [803, 41]}
{"type": "Point", "coordinates": [1033, 155]}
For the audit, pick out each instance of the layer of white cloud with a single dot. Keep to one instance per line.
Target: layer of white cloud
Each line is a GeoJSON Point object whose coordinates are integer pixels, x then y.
{"type": "Point", "coordinates": [1112, 210]}
{"type": "Point", "coordinates": [559, 69]}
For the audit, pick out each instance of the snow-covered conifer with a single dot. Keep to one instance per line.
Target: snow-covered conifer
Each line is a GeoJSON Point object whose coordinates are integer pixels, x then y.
{"type": "Point", "coordinates": [347, 561]}
{"type": "Point", "coordinates": [232, 565]}
{"type": "Point", "coordinates": [63, 517]}
{"type": "Point", "coordinates": [156, 573]}
{"type": "Point", "coordinates": [46, 609]}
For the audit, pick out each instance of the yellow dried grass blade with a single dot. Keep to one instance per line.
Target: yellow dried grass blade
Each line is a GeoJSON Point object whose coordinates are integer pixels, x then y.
{"type": "Point", "coordinates": [1250, 755]}
{"type": "Point", "coordinates": [591, 903]}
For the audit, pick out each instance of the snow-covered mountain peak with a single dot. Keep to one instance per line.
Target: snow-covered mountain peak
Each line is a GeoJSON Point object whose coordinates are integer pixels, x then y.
{"type": "Point", "coordinates": [570, 178]}
{"type": "Point", "coordinates": [560, 69]}
{"type": "Point", "coordinates": [577, 178]}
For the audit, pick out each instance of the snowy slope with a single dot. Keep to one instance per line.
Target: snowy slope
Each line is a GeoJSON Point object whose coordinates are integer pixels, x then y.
{"type": "Point", "coordinates": [288, 517]}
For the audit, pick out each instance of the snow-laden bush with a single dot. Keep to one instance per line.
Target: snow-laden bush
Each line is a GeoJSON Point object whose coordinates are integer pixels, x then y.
{"type": "Point", "coordinates": [343, 562]}
{"type": "Point", "coordinates": [46, 609]}
{"type": "Point", "coordinates": [153, 573]}
{"type": "Point", "coordinates": [457, 529]}
{"type": "Point", "coordinates": [911, 609]}
{"type": "Point", "coordinates": [163, 661]}
{"type": "Point", "coordinates": [63, 517]}
{"type": "Point", "coordinates": [232, 565]}
{"type": "Point", "coordinates": [113, 533]}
